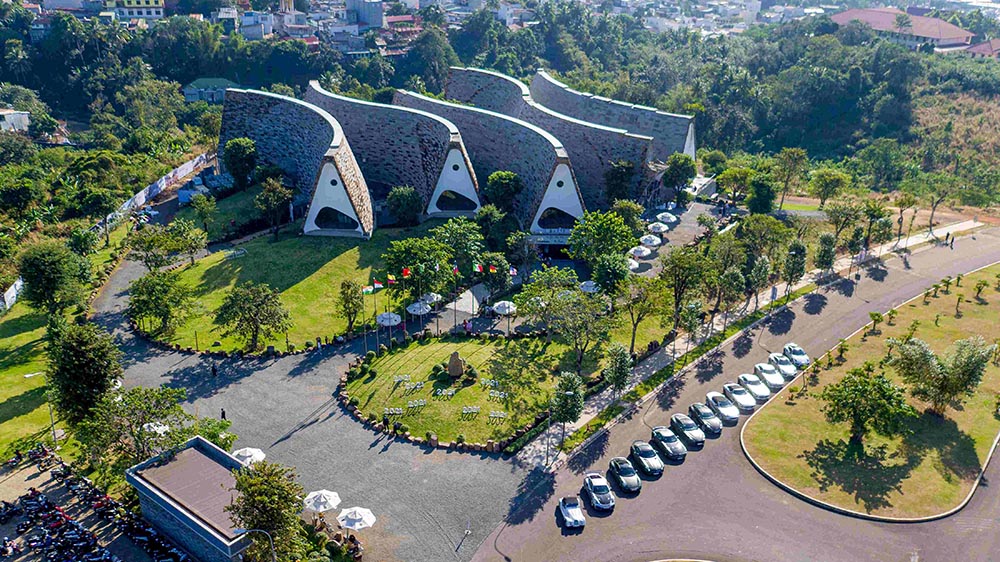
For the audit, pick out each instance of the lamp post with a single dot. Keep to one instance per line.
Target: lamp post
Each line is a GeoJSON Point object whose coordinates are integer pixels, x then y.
{"type": "Point", "coordinates": [549, 429]}
{"type": "Point", "coordinates": [274, 553]}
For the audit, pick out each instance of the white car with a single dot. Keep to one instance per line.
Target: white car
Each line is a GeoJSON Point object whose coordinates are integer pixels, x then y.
{"type": "Point", "coordinates": [572, 512]}
{"type": "Point", "coordinates": [739, 396]}
{"type": "Point", "coordinates": [722, 407]}
{"type": "Point", "coordinates": [754, 386]}
{"type": "Point", "coordinates": [771, 377]}
{"type": "Point", "coordinates": [796, 355]}
{"type": "Point", "coordinates": [600, 493]}
{"type": "Point", "coordinates": [783, 365]}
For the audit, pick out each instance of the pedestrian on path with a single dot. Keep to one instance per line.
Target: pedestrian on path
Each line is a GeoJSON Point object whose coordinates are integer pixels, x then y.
{"type": "Point", "coordinates": [215, 371]}
{"type": "Point", "coordinates": [946, 236]}
{"type": "Point", "coordinates": [952, 245]}
{"type": "Point", "coordinates": [223, 414]}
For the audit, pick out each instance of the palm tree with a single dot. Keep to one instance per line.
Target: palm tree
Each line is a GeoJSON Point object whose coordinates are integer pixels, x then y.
{"type": "Point", "coordinates": [903, 23]}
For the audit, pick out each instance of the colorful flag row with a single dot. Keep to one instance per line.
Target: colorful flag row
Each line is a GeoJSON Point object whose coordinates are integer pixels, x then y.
{"type": "Point", "coordinates": [407, 273]}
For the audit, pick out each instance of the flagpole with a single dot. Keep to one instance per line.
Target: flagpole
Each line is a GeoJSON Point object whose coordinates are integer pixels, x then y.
{"type": "Point", "coordinates": [402, 289]}
{"type": "Point", "coordinates": [364, 312]}
{"type": "Point", "coordinates": [375, 315]}
{"type": "Point", "coordinates": [454, 305]}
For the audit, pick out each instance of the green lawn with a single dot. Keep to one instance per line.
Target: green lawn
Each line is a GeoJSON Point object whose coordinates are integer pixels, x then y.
{"type": "Point", "coordinates": [237, 207]}
{"type": "Point", "coordinates": [926, 472]}
{"type": "Point", "coordinates": [789, 206]}
{"type": "Point", "coordinates": [441, 415]}
{"type": "Point", "coordinates": [306, 270]}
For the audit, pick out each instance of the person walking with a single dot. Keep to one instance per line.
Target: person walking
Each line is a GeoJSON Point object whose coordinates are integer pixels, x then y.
{"type": "Point", "coordinates": [215, 370]}
{"type": "Point", "coordinates": [223, 413]}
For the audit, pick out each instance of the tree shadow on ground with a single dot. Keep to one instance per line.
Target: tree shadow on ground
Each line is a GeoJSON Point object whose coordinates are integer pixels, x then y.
{"type": "Point", "coordinates": [844, 287]}
{"type": "Point", "coordinates": [666, 398]}
{"type": "Point", "coordinates": [198, 381]}
{"type": "Point", "coordinates": [781, 322]}
{"type": "Point", "coordinates": [22, 404]}
{"type": "Point", "coordinates": [869, 474]}
{"type": "Point", "coordinates": [815, 303]}
{"type": "Point", "coordinates": [710, 365]}
{"type": "Point", "coordinates": [587, 456]}
{"type": "Point", "coordinates": [531, 496]}
{"type": "Point", "coordinates": [743, 344]}
{"type": "Point", "coordinates": [876, 271]}
{"type": "Point", "coordinates": [956, 450]}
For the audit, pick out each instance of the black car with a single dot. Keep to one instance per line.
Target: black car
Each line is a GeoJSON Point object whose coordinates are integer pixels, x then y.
{"type": "Point", "coordinates": [646, 458]}
{"type": "Point", "coordinates": [687, 430]}
{"type": "Point", "coordinates": [626, 476]}
{"type": "Point", "coordinates": [668, 444]}
{"type": "Point", "coordinates": [706, 418]}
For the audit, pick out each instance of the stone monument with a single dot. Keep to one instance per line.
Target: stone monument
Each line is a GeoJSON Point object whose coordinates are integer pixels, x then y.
{"type": "Point", "coordinates": [456, 367]}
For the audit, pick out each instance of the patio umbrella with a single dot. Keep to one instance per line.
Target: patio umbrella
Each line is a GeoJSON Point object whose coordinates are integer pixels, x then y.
{"type": "Point", "coordinates": [321, 501]}
{"type": "Point", "coordinates": [657, 228]}
{"type": "Point", "coordinates": [419, 308]}
{"type": "Point", "coordinates": [156, 427]}
{"type": "Point", "coordinates": [431, 298]}
{"type": "Point", "coordinates": [356, 518]}
{"type": "Point", "coordinates": [668, 218]}
{"type": "Point", "coordinates": [589, 287]}
{"type": "Point", "coordinates": [650, 240]}
{"type": "Point", "coordinates": [632, 264]}
{"type": "Point", "coordinates": [640, 252]}
{"type": "Point", "coordinates": [505, 308]}
{"type": "Point", "coordinates": [248, 455]}
{"type": "Point", "coordinates": [388, 319]}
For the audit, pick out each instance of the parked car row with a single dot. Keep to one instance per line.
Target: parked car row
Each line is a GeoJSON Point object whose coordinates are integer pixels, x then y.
{"type": "Point", "coordinates": [686, 431]}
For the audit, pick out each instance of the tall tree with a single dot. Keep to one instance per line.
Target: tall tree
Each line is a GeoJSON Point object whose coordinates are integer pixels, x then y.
{"type": "Point", "coordinates": [679, 172]}
{"type": "Point", "coordinates": [160, 295]}
{"type": "Point", "coordinates": [866, 403]}
{"type": "Point", "coordinates": [826, 183]}
{"type": "Point", "coordinates": [496, 226]}
{"type": "Point", "coordinates": [151, 245]}
{"type": "Point", "coordinates": [205, 209]}
{"type": "Point", "coordinates": [795, 265]}
{"type": "Point", "coordinates": [55, 277]}
{"type": "Point", "coordinates": [429, 261]}
{"type": "Point", "coordinates": [631, 213]}
{"type": "Point", "coordinates": [537, 300]}
{"type": "Point", "coordinates": [582, 322]}
{"type": "Point", "coordinates": [240, 158]}
{"type": "Point", "coordinates": [83, 364]}
{"type": "Point", "coordinates": [761, 198]}
{"type": "Point", "coordinates": [596, 234]}
{"type": "Point", "coordinates": [790, 164]}
{"type": "Point", "coordinates": [268, 497]}
{"type": "Point", "coordinates": [843, 215]}
{"type": "Point", "coordinates": [610, 272]}
{"type": "Point", "coordinates": [735, 181]}
{"type": "Point", "coordinates": [640, 298]}
{"type": "Point", "coordinates": [681, 273]}
{"type": "Point", "coordinates": [273, 202]}
{"type": "Point", "coordinates": [350, 302]}
{"type": "Point", "coordinates": [941, 381]}
{"type": "Point", "coordinates": [465, 240]}
{"type": "Point", "coordinates": [522, 252]}
{"type": "Point", "coordinates": [619, 368]}
{"type": "Point", "coordinates": [567, 404]}
{"type": "Point", "coordinates": [251, 311]}
{"type": "Point", "coordinates": [826, 253]}
{"type": "Point", "coordinates": [186, 238]}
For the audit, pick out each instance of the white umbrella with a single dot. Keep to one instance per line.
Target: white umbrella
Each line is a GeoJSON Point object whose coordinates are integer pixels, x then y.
{"type": "Point", "coordinates": [356, 518]}
{"type": "Point", "coordinates": [431, 298]}
{"type": "Point", "coordinates": [589, 287]}
{"type": "Point", "coordinates": [388, 319]}
{"type": "Point", "coordinates": [156, 427]}
{"type": "Point", "coordinates": [321, 501]}
{"type": "Point", "coordinates": [640, 252]}
{"type": "Point", "coordinates": [657, 228]}
{"type": "Point", "coordinates": [650, 240]}
{"type": "Point", "coordinates": [504, 308]}
{"type": "Point", "coordinates": [418, 308]}
{"type": "Point", "coordinates": [248, 455]}
{"type": "Point", "coordinates": [668, 218]}
{"type": "Point", "coordinates": [632, 264]}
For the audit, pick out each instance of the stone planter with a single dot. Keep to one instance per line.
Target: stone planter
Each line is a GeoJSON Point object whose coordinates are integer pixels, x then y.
{"type": "Point", "coordinates": [451, 445]}
{"type": "Point", "coordinates": [433, 442]}
{"type": "Point", "coordinates": [406, 436]}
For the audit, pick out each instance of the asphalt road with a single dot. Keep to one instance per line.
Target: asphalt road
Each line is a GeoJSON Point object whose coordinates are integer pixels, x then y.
{"type": "Point", "coordinates": [715, 506]}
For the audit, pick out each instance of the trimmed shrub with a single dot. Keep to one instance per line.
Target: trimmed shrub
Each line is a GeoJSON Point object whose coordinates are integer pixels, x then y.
{"type": "Point", "coordinates": [404, 428]}
{"type": "Point", "coordinates": [460, 438]}
{"type": "Point", "coordinates": [364, 369]}
{"type": "Point", "coordinates": [372, 417]}
{"type": "Point", "coordinates": [369, 357]}
{"type": "Point", "coordinates": [354, 401]}
{"type": "Point", "coordinates": [309, 344]}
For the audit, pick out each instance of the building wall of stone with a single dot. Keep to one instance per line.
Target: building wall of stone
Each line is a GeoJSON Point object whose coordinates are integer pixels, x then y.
{"type": "Point", "coordinates": [671, 133]}
{"type": "Point", "coordinates": [181, 534]}
{"type": "Point", "coordinates": [497, 142]}
{"type": "Point", "coordinates": [298, 138]}
{"type": "Point", "coordinates": [393, 145]}
{"type": "Point", "coordinates": [592, 148]}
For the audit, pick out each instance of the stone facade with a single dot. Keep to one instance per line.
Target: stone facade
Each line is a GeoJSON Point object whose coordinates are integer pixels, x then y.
{"type": "Point", "coordinates": [304, 141]}
{"type": "Point", "coordinates": [591, 147]}
{"type": "Point", "coordinates": [671, 133]}
{"type": "Point", "coordinates": [497, 142]}
{"type": "Point", "coordinates": [168, 524]}
{"type": "Point", "coordinates": [402, 146]}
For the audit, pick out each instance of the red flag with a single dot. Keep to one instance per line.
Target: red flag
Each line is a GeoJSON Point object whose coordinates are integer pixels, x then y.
{"type": "Point", "coordinates": [454, 270]}
{"type": "Point", "coordinates": [406, 272]}
{"type": "Point", "coordinates": [493, 269]}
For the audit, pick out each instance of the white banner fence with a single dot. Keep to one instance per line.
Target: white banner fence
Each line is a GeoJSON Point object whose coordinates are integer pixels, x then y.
{"type": "Point", "coordinates": [135, 203]}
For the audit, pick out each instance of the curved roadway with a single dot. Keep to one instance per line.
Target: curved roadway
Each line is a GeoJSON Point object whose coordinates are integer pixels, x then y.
{"type": "Point", "coordinates": [715, 505]}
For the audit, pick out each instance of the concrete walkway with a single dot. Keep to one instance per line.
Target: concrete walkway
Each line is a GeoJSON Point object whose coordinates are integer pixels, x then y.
{"type": "Point", "coordinates": [542, 451]}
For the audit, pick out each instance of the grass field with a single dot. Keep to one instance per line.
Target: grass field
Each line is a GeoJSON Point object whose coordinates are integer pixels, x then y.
{"type": "Point", "coordinates": [926, 472]}
{"type": "Point", "coordinates": [236, 209]}
{"type": "Point", "coordinates": [789, 206]}
{"type": "Point", "coordinates": [306, 270]}
{"type": "Point", "coordinates": [442, 415]}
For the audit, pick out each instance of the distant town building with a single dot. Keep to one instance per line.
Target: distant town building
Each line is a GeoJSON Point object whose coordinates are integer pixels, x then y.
{"type": "Point", "coordinates": [228, 18]}
{"type": "Point", "coordinates": [370, 13]}
{"type": "Point", "coordinates": [131, 9]}
{"type": "Point", "coordinates": [51, 5]}
{"type": "Point", "coordinates": [921, 30]}
{"type": "Point", "coordinates": [986, 49]}
{"type": "Point", "coordinates": [256, 25]}
{"type": "Point", "coordinates": [14, 121]}
{"type": "Point", "coordinates": [212, 90]}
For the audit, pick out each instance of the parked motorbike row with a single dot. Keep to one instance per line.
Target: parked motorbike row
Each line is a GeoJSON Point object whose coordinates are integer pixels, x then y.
{"type": "Point", "coordinates": [48, 530]}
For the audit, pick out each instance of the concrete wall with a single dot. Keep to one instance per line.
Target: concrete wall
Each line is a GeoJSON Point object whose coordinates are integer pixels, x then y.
{"type": "Point", "coordinates": [182, 535]}
{"type": "Point", "coordinates": [671, 133]}
{"type": "Point", "coordinates": [401, 146]}
{"type": "Point", "coordinates": [309, 145]}
{"type": "Point", "coordinates": [591, 147]}
{"type": "Point", "coordinates": [497, 142]}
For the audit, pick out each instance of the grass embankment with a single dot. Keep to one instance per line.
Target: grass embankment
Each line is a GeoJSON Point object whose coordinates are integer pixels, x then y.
{"type": "Point", "coordinates": [443, 415]}
{"type": "Point", "coordinates": [230, 213]}
{"type": "Point", "coordinates": [926, 472]}
{"type": "Point", "coordinates": [23, 413]}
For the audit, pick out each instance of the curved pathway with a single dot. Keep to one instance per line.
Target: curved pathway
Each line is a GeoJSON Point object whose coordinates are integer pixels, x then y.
{"type": "Point", "coordinates": [716, 506]}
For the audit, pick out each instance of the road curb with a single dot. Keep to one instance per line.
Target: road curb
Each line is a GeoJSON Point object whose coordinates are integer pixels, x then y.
{"type": "Point", "coordinates": [848, 512]}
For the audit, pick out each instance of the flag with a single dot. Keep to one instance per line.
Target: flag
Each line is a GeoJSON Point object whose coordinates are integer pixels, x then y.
{"type": "Point", "coordinates": [437, 267]}
{"type": "Point", "coordinates": [406, 272]}
{"type": "Point", "coordinates": [377, 284]}
{"type": "Point", "coordinates": [454, 270]}
{"type": "Point", "coordinates": [493, 269]}
{"type": "Point", "coordinates": [513, 271]}
{"type": "Point", "coordinates": [367, 290]}
{"type": "Point", "coordinates": [478, 267]}
{"type": "Point", "coordinates": [391, 279]}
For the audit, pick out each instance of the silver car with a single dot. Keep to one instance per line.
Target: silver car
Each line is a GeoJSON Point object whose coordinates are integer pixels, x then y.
{"type": "Point", "coordinates": [722, 407]}
{"type": "Point", "coordinates": [685, 428]}
{"type": "Point", "coordinates": [599, 491]}
{"type": "Point", "coordinates": [796, 355]}
{"type": "Point", "coordinates": [771, 377]}
{"type": "Point", "coordinates": [783, 365]}
{"type": "Point", "coordinates": [738, 395]}
{"type": "Point", "coordinates": [754, 386]}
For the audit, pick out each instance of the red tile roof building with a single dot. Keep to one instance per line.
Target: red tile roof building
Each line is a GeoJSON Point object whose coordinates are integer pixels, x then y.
{"type": "Point", "coordinates": [988, 49]}
{"type": "Point", "coordinates": [922, 30]}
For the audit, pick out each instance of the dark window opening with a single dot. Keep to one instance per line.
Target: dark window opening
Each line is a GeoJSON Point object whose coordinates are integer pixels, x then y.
{"type": "Point", "coordinates": [452, 201]}
{"type": "Point", "coordinates": [329, 218]}
{"type": "Point", "coordinates": [553, 218]}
